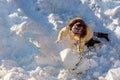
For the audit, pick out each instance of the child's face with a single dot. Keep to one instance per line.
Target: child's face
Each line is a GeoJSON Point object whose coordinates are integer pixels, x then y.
{"type": "Point", "coordinates": [77, 28]}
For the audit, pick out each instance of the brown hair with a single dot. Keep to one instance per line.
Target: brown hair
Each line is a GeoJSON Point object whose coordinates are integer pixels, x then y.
{"type": "Point", "coordinates": [75, 20]}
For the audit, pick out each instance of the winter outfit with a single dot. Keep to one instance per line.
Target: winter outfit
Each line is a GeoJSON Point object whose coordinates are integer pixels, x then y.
{"type": "Point", "coordinates": [79, 33]}
{"type": "Point", "coordinates": [101, 35]}
{"type": "Point", "coordinates": [92, 41]}
{"type": "Point", "coordinates": [81, 40]}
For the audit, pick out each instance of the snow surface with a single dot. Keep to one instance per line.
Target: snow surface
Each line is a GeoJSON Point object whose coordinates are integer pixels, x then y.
{"type": "Point", "coordinates": [29, 29]}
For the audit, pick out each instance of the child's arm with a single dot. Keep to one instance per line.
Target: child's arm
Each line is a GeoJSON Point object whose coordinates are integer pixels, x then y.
{"type": "Point", "coordinates": [62, 34]}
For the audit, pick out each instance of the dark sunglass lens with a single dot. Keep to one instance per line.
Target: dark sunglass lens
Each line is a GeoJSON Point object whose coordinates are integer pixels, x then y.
{"type": "Point", "coordinates": [78, 24]}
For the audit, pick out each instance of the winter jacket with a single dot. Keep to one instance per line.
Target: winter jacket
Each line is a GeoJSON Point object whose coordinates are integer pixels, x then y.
{"type": "Point", "coordinates": [81, 40]}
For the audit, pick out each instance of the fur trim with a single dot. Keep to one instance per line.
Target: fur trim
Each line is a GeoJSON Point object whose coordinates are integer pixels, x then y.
{"type": "Point", "coordinates": [75, 20]}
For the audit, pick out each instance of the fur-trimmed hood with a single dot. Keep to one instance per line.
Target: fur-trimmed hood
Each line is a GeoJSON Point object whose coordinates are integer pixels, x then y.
{"type": "Point", "coordinates": [76, 20]}
{"type": "Point", "coordinates": [86, 35]}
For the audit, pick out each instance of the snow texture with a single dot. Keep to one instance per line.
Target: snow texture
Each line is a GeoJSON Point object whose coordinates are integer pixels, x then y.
{"type": "Point", "coordinates": [29, 29]}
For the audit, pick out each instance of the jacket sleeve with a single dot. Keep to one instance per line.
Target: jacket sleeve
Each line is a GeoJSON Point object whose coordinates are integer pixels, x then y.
{"type": "Point", "coordinates": [62, 33]}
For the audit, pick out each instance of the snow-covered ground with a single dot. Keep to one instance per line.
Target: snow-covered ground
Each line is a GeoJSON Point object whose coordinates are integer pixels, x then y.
{"type": "Point", "coordinates": [29, 29]}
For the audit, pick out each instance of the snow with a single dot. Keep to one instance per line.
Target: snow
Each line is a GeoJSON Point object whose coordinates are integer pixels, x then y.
{"type": "Point", "coordinates": [69, 58]}
{"type": "Point", "coordinates": [113, 74]}
{"type": "Point", "coordinates": [29, 29]}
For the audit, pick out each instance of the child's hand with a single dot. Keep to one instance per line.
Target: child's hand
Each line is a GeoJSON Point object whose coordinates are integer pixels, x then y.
{"type": "Point", "coordinates": [57, 41]}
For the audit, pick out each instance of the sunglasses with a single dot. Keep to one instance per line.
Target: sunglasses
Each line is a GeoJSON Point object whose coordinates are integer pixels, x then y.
{"type": "Point", "coordinates": [78, 24]}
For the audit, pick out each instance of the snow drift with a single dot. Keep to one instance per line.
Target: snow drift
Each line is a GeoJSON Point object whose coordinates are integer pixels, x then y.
{"type": "Point", "coordinates": [29, 29]}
